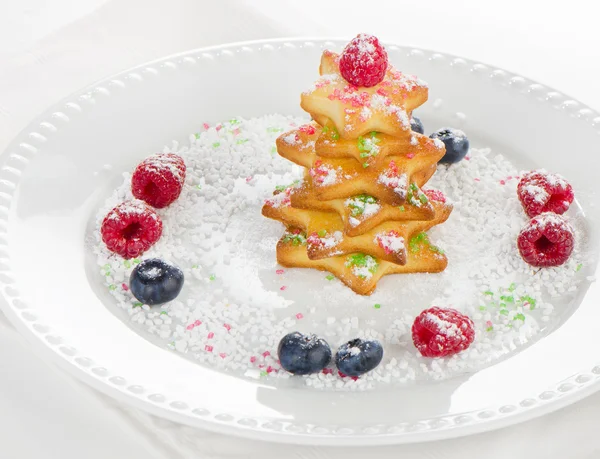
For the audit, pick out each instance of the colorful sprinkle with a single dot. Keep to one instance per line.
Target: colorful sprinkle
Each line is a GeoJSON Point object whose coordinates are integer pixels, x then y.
{"type": "Point", "coordinates": [579, 266]}
{"type": "Point", "coordinates": [279, 271]}
{"type": "Point", "coordinates": [252, 359]}
{"type": "Point", "coordinates": [216, 144]}
{"type": "Point", "coordinates": [249, 179]}
{"type": "Point", "coordinates": [125, 287]}
{"type": "Point", "coordinates": [211, 335]}
{"type": "Point", "coordinates": [227, 327]}
{"type": "Point", "coordinates": [490, 326]}
{"type": "Point", "coordinates": [327, 371]}
{"type": "Point", "coordinates": [212, 277]}
{"type": "Point", "coordinates": [329, 277]}
{"type": "Point", "coordinates": [222, 355]}
{"type": "Point", "coordinates": [283, 287]}
{"type": "Point", "coordinates": [299, 316]}
{"type": "Point", "coordinates": [477, 179]}
{"type": "Point", "coordinates": [377, 306]}
{"type": "Point", "coordinates": [208, 348]}
{"type": "Point", "coordinates": [205, 126]}
{"type": "Point", "coordinates": [266, 354]}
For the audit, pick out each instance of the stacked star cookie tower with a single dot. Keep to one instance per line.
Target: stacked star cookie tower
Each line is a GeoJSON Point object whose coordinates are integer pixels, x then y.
{"type": "Point", "coordinates": [360, 212]}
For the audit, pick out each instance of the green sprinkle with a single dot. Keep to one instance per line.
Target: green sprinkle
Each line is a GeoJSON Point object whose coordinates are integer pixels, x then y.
{"type": "Point", "coordinates": [127, 264]}
{"type": "Point", "coordinates": [136, 261]}
{"type": "Point", "coordinates": [273, 150]}
{"type": "Point", "coordinates": [508, 299]}
{"type": "Point", "coordinates": [512, 287]}
{"type": "Point", "coordinates": [216, 144]}
{"type": "Point", "coordinates": [197, 135]}
{"type": "Point", "coordinates": [112, 287]}
{"type": "Point", "coordinates": [417, 241]}
{"type": "Point", "coordinates": [263, 373]}
{"type": "Point", "coordinates": [335, 135]}
{"type": "Point", "coordinates": [295, 239]}
{"type": "Point", "coordinates": [212, 277]}
{"type": "Point", "coordinates": [490, 328]}
{"type": "Point", "coordinates": [504, 312]}
{"type": "Point", "coordinates": [107, 273]}
{"type": "Point", "coordinates": [274, 129]}
{"type": "Point", "coordinates": [377, 306]}
{"type": "Point", "coordinates": [322, 233]}
{"type": "Point", "coordinates": [325, 130]}
{"type": "Point", "coordinates": [329, 277]}
{"type": "Point", "coordinates": [527, 299]}
{"type": "Point", "coordinates": [502, 305]}
{"type": "Point", "coordinates": [488, 293]}
{"type": "Point", "coordinates": [199, 187]}
{"type": "Point", "coordinates": [482, 308]}
{"type": "Point", "coordinates": [194, 266]}
{"type": "Point", "coordinates": [519, 316]}
{"type": "Point", "coordinates": [233, 121]}
{"type": "Point", "coordinates": [360, 260]}
{"type": "Point", "coordinates": [365, 165]}
{"type": "Point", "coordinates": [285, 187]}
{"type": "Point", "coordinates": [402, 209]}
{"type": "Point", "coordinates": [137, 304]}
{"type": "Point", "coordinates": [423, 199]}
{"type": "Point", "coordinates": [579, 266]}
{"type": "Point", "coordinates": [358, 204]}
{"type": "Point", "coordinates": [163, 313]}
{"type": "Point", "coordinates": [242, 141]}
{"type": "Point", "coordinates": [106, 266]}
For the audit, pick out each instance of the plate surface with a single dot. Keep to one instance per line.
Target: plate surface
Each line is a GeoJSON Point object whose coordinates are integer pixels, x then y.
{"type": "Point", "coordinates": [59, 169]}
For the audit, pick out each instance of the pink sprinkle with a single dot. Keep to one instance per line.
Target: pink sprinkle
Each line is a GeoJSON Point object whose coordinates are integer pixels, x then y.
{"type": "Point", "coordinates": [269, 369]}
{"type": "Point", "coordinates": [124, 286]}
{"type": "Point", "coordinates": [489, 323]}
{"type": "Point", "coordinates": [211, 335]}
{"type": "Point", "coordinates": [279, 271]}
{"type": "Point", "coordinates": [222, 355]}
{"type": "Point", "coordinates": [293, 124]}
{"type": "Point", "coordinates": [410, 155]}
{"type": "Point", "coordinates": [262, 365]}
{"type": "Point", "coordinates": [468, 158]}
{"type": "Point", "coordinates": [190, 327]}
{"type": "Point", "coordinates": [477, 179]}
{"type": "Point", "coordinates": [208, 348]}
{"type": "Point", "coordinates": [252, 359]}
{"type": "Point", "coordinates": [205, 126]}
{"type": "Point", "coordinates": [197, 323]}
{"type": "Point", "coordinates": [236, 131]}
{"type": "Point", "coordinates": [299, 316]}
{"type": "Point", "coordinates": [283, 287]}
{"type": "Point", "coordinates": [249, 178]}
{"type": "Point", "coordinates": [502, 182]}
{"type": "Point", "coordinates": [266, 354]}
{"type": "Point", "coordinates": [509, 177]}
{"type": "Point", "coordinates": [218, 127]}
{"type": "Point", "coordinates": [327, 371]}
{"type": "Point", "coordinates": [227, 327]}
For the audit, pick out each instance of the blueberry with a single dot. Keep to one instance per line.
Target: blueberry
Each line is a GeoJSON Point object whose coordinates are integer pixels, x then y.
{"type": "Point", "coordinates": [155, 281]}
{"type": "Point", "coordinates": [416, 125]}
{"type": "Point", "coordinates": [303, 354]}
{"type": "Point", "coordinates": [456, 142]}
{"type": "Point", "coordinates": [358, 356]}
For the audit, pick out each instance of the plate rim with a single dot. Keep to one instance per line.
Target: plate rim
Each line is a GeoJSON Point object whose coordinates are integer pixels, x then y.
{"type": "Point", "coordinates": [580, 385]}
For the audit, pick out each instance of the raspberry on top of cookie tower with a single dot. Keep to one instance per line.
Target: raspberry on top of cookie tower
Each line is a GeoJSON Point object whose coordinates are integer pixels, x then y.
{"type": "Point", "coordinates": [360, 210]}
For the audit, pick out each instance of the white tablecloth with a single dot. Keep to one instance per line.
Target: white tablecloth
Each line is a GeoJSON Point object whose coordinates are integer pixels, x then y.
{"type": "Point", "coordinates": [49, 49]}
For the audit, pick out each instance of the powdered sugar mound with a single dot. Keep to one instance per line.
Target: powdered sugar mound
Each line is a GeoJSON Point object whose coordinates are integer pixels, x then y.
{"type": "Point", "coordinates": [237, 303]}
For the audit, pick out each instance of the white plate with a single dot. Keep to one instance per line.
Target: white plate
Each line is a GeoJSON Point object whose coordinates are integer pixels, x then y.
{"type": "Point", "coordinates": [53, 180]}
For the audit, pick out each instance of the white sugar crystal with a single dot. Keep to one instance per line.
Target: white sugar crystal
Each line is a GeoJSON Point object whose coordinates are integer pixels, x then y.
{"type": "Point", "coordinates": [235, 291]}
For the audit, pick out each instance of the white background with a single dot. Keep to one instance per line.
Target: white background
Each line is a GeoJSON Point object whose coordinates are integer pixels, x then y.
{"type": "Point", "coordinates": [50, 48]}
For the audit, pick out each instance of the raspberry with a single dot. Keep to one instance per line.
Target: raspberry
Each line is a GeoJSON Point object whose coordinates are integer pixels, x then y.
{"type": "Point", "coordinates": [539, 191]}
{"type": "Point", "coordinates": [547, 240]}
{"type": "Point", "coordinates": [364, 61]}
{"type": "Point", "coordinates": [439, 332]}
{"type": "Point", "coordinates": [158, 179]}
{"type": "Point", "coordinates": [130, 229]}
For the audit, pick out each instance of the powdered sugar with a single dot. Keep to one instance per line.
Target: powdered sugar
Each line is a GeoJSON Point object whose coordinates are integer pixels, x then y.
{"type": "Point", "coordinates": [390, 242]}
{"type": "Point", "coordinates": [398, 183]}
{"type": "Point", "coordinates": [234, 291]}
